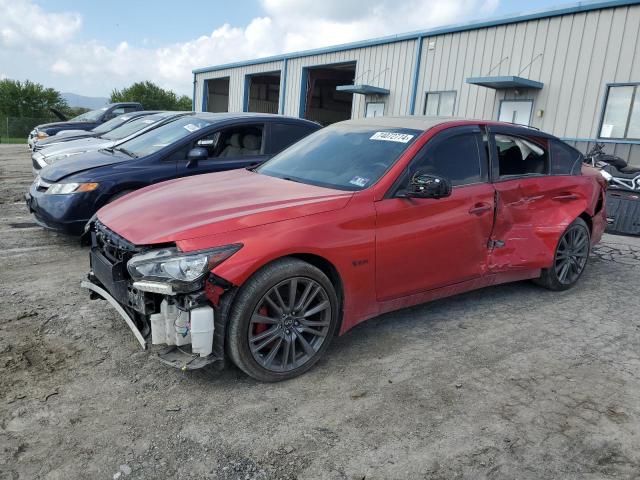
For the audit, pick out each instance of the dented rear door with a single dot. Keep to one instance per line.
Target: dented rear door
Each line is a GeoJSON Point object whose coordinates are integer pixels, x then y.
{"type": "Point", "coordinates": [533, 207]}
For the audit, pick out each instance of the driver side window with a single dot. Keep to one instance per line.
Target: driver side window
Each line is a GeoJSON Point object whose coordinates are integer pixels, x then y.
{"type": "Point", "coordinates": [458, 158]}
{"type": "Point", "coordinates": [234, 142]}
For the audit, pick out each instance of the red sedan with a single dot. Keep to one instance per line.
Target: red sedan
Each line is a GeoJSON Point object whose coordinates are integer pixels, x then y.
{"type": "Point", "coordinates": [363, 217]}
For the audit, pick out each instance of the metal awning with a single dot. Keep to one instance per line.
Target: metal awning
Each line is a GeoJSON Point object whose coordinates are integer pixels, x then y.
{"type": "Point", "coordinates": [363, 89]}
{"type": "Point", "coordinates": [504, 83]}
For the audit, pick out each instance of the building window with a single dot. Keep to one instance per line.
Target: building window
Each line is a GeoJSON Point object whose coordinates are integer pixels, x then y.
{"type": "Point", "coordinates": [440, 104]}
{"type": "Point", "coordinates": [621, 119]}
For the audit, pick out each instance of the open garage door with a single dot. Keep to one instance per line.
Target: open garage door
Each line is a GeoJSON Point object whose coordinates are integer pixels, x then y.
{"type": "Point", "coordinates": [322, 102]}
{"type": "Point", "coordinates": [264, 93]}
{"type": "Point", "coordinates": [217, 95]}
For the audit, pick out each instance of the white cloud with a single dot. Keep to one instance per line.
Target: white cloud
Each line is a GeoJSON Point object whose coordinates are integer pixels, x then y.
{"type": "Point", "coordinates": [24, 24]}
{"type": "Point", "coordinates": [287, 25]}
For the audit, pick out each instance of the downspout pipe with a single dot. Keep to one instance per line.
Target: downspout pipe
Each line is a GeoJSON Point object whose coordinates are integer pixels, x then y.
{"type": "Point", "coordinates": [416, 75]}
{"type": "Point", "coordinates": [283, 87]}
{"type": "Point", "coordinates": [193, 97]}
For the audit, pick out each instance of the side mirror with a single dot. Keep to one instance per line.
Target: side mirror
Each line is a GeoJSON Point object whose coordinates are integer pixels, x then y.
{"type": "Point", "coordinates": [195, 155]}
{"type": "Point", "coordinates": [423, 185]}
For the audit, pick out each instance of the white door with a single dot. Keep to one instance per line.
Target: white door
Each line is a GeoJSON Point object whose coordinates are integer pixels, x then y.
{"type": "Point", "coordinates": [518, 111]}
{"type": "Point", "coordinates": [374, 110]}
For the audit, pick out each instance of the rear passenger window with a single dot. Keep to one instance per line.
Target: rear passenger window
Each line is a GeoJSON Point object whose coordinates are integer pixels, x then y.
{"type": "Point", "coordinates": [457, 158]}
{"type": "Point", "coordinates": [284, 134]}
{"type": "Point", "coordinates": [565, 160]}
{"type": "Point", "coordinates": [519, 156]}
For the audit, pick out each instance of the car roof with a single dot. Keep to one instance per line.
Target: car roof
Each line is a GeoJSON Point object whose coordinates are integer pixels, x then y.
{"type": "Point", "coordinates": [424, 123]}
{"type": "Point", "coordinates": [223, 116]}
{"type": "Point", "coordinates": [109, 105]}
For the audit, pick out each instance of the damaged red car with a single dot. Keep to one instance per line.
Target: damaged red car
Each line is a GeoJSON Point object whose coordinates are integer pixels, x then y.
{"type": "Point", "coordinates": [264, 266]}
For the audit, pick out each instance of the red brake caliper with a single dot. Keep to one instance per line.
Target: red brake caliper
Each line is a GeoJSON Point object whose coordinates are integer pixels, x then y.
{"type": "Point", "coordinates": [261, 327]}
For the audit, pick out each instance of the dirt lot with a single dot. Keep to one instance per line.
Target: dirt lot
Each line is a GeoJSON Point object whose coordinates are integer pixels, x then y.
{"type": "Point", "coordinates": [507, 382]}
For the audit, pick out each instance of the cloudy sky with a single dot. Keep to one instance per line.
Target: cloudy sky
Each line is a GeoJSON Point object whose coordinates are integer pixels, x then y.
{"type": "Point", "coordinates": [91, 47]}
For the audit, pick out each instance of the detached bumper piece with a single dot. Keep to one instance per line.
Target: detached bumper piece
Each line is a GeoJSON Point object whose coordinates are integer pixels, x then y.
{"type": "Point", "coordinates": [114, 303]}
{"type": "Point", "coordinates": [623, 212]}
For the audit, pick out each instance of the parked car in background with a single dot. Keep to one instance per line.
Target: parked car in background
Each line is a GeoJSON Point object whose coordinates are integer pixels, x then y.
{"type": "Point", "coordinates": [85, 121]}
{"type": "Point", "coordinates": [60, 151]}
{"type": "Point", "coordinates": [68, 135]}
{"type": "Point", "coordinates": [360, 218]}
{"type": "Point", "coordinates": [67, 193]}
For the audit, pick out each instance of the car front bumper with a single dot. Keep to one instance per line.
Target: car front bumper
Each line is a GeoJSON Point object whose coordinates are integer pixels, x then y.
{"type": "Point", "coordinates": [169, 319]}
{"type": "Point", "coordinates": [62, 213]}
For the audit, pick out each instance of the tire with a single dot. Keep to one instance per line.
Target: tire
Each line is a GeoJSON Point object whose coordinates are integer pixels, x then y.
{"type": "Point", "coordinates": [269, 340]}
{"type": "Point", "coordinates": [568, 266]}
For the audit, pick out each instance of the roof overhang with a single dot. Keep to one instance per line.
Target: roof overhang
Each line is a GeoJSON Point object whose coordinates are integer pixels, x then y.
{"type": "Point", "coordinates": [505, 83]}
{"type": "Point", "coordinates": [363, 89]}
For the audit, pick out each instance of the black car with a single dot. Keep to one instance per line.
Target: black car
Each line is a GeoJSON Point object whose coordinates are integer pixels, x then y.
{"type": "Point", "coordinates": [66, 194]}
{"type": "Point", "coordinates": [69, 135]}
{"type": "Point", "coordinates": [86, 121]}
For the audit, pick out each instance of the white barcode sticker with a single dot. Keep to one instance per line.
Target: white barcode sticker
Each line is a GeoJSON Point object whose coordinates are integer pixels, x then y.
{"type": "Point", "coordinates": [392, 137]}
{"type": "Point", "coordinates": [191, 127]}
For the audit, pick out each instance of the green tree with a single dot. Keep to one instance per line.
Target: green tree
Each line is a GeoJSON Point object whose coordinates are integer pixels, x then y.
{"type": "Point", "coordinates": [151, 96]}
{"type": "Point", "coordinates": [28, 99]}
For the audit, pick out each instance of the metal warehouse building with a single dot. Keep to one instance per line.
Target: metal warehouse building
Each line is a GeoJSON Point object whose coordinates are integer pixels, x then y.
{"type": "Point", "coordinates": [572, 71]}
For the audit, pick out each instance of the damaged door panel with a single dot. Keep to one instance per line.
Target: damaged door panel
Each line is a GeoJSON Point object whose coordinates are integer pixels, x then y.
{"type": "Point", "coordinates": [534, 207]}
{"type": "Point", "coordinates": [532, 214]}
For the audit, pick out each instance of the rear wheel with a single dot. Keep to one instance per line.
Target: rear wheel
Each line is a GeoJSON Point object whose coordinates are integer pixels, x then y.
{"type": "Point", "coordinates": [282, 320]}
{"type": "Point", "coordinates": [570, 259]}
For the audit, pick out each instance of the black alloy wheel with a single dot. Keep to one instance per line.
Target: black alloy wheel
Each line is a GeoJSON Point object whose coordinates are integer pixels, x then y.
{"type": "Point", "coordinates": [572, 254]}
{"type": "Point", "coordinates": [282, 320]}
{"type": "Point", "coordinates": [289, 324]}
{"type": "Point", "coordinates": [570, 258]}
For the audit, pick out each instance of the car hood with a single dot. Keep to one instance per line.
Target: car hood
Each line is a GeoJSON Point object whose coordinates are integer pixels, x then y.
{"type": "Point", "coordinates": [65, 136]}
{"type": "Point", "coordinates": [79, 125]}
{"type": "Point", "coordinates": [76, 146]}
{"type": "Point", "coordinates": [80, 162]}
{"type": "Point", "coordinates": [214, 203]}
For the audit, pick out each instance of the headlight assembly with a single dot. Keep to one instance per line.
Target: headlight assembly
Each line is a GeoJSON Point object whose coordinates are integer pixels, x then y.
{"type": "Point", "coordinates": [182, 270]}
{"type": "Point", "coordinates": [66, 188]}
{"type": "Point", "coordinates": [41, 135]}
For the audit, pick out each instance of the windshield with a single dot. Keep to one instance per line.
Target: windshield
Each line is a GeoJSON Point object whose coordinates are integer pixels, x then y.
{"type": "Point", "coordinates": [132, 127]}
{"type": "Point", "coordinates": [111, 124]}
{"type": "Point", "coordinates": [91, 116]}
{"type": "Point", "coordinates": [162, 136]}
{"type": "Point", "coordinates": [343, 157]}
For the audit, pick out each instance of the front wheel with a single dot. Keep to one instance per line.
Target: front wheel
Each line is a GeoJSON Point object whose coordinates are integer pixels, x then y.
{"type": "Point", "coordinates": [282, 320]}
{"type": "Point", "coordinates": [570, 259]}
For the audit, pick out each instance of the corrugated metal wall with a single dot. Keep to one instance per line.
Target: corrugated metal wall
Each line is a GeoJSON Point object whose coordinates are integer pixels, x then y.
{"type": "Point", "coordinates": [574, 55]}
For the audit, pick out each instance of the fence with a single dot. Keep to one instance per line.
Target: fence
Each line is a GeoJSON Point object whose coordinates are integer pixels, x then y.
{"type": "Point", "coordinates": [16, 129]}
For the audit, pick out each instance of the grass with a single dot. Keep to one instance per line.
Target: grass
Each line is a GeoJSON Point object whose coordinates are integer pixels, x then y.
{"type": "Point", "coordinates": [12, 140]}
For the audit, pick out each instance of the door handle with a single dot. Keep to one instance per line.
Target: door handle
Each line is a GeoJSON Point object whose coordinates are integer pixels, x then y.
{"type": "Point", "coordinates": [566, 197]}
{"type": "Point", "coordinates": [480, 208]}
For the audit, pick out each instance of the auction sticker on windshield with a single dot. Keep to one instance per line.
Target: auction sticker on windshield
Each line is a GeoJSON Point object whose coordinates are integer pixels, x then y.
{"type": "Point", "coordinates": [359, 181]}
{"type": "Point", "coordinates": [191, 127]}
{"type": "Point", "coordinates": [392, 137]}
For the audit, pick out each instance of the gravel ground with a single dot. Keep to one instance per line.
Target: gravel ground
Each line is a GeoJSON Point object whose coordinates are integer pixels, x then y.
{"type": "Point", "coordinates": [507, 382]}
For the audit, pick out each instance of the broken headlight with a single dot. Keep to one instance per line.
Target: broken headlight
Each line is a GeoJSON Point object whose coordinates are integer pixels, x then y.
{"type": "Point", "coordinates": [182, 270]}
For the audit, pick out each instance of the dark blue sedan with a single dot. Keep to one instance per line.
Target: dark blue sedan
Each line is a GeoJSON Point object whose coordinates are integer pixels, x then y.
{"type": "Point", "coordinates": [67, 194]}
